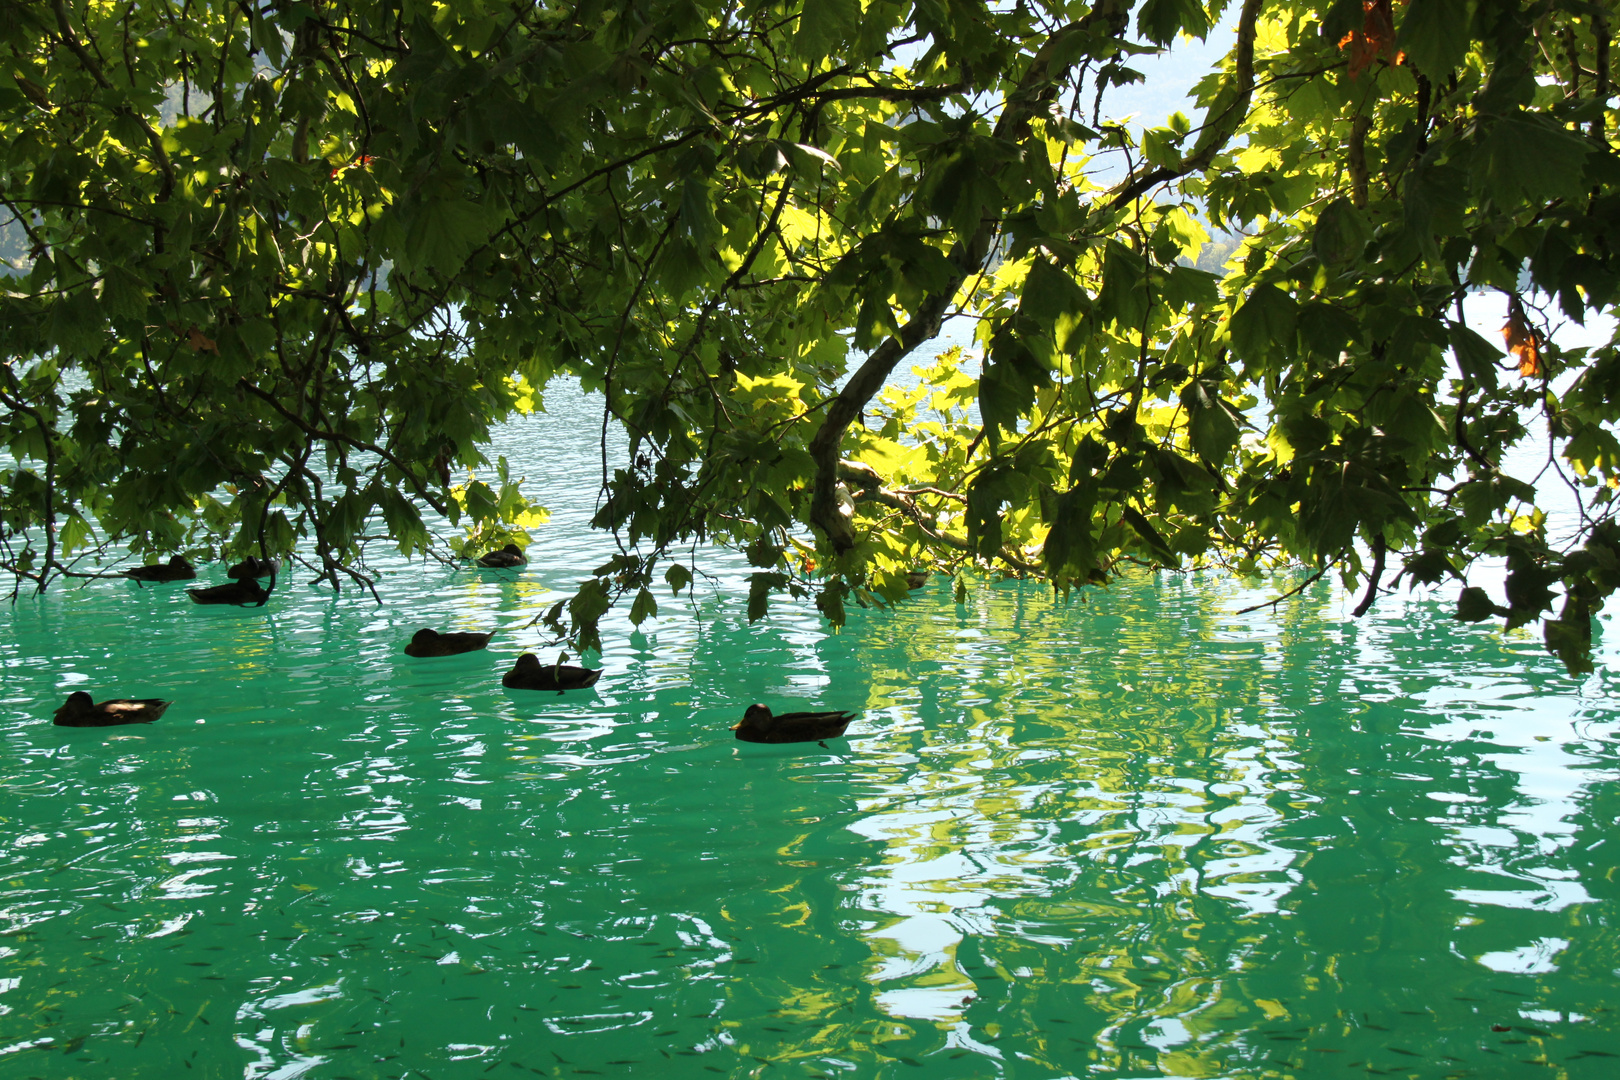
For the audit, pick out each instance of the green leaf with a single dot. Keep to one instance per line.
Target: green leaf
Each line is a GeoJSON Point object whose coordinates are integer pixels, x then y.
{"type": "Point", "coordinates": [586, 609]}
{"type": "Point", "coordinates": [1070, 550]}
{"type": "Point", "coordinates": [645, 607]}
{"type": "Point", "coordinates": [123, 294]}
{"type": "Point", "coordinates": [442, 232]}
{"type": "Point", "coordinates": [1341, 233]}
{"type": "Point", "coordinates": [1211, 424]}
{"type": "Point", "coordinates": [830, 601]}
{"type": "Point", "coordinates": [76, 323]}
{"type": "Point", "coordinates": [678, 577]}
{"type": "Point", "coordinates": [1150, 536]}
{"type": "Point", "coordinates": [1434, 35]}
{"type": "Point", "coordinates": [1570, 639]}
{"type": "Point", "coordinates": [760, 587]}
{"type": "Point", "coordinates": [1476, 357]}
{"type": "Point", "coordinates": [1429, 567]}
{"type": "Point", "coordinates": [1528, 590]}
{"type": "Point", "coordinates": [1474, 605]}
{"type": "Point", "coordinates": [1325, 329]}
{"type": "Point", "coordinates": [1264, 322]}
{"type": "Point", "coordinates": [1529, 157]}
{"type": "Point", "coordinates": [824, 24]}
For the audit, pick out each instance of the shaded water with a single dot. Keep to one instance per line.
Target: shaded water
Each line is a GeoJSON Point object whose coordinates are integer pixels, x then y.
{"type": "Point", "coordinates": [1132, 836]}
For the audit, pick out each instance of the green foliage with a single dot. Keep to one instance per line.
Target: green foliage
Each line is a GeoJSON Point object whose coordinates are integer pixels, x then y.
{"type": "Point", "coordinates": [277, 271]}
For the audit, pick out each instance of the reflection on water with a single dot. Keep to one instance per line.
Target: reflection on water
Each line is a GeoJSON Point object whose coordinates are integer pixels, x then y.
{"type": "Point", "coordinates": [1126, 835]}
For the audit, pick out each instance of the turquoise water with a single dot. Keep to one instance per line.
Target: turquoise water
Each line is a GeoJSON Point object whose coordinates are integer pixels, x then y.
{"type": "Point", "coordinates": [1136, 835]}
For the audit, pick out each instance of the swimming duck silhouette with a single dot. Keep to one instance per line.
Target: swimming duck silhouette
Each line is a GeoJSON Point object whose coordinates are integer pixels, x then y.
{"type": "Point", "coordinates": [530, 674]}
{"type": "Point", "coordinates": [252, 567]}
{"type": "Point", "coordinates": [758, 725]}
{"type": "Point", "coordinates": [243, 592]}
{"type": "Point", "coordinates": [510, 555]}
{"type": "Point", "coordinates": [176, 569]}
{"type": "Point", "coordinates": [426, 642]}
{"type": "Point", "coordinates": [80, 710]}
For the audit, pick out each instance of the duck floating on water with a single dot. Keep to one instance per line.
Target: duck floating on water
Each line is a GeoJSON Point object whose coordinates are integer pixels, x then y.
{"type": "Point", "coordinates": [508, 556]}
{"type": "Point", "coordinates": [176, 569]}
{"type": "Point", "coordinates": [426, 642]}
{"type": "Point", "coordinates": [530, 674]}
{"type": "Point", "coordinates": [247, 592]}
{"type": "Point", "coordinates": [243, 592]}
{"type": "Point", "coordinates": [80, 710]}
{"type": "Point", "coordinates": [758, 725]}
{"type": "Point", "coordinates": [252, 567]}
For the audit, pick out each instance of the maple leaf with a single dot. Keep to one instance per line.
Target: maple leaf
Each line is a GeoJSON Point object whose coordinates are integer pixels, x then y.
{"type": "Point", "coordinates": [1523, 343]}
{"type": "Point", "coordinates": [1375, 39]}
{"type": "Point", "coordinates": [196, 341]}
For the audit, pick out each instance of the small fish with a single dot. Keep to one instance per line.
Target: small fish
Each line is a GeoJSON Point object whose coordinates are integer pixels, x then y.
{"type": "Point", "coordinates": [1398, 1050]}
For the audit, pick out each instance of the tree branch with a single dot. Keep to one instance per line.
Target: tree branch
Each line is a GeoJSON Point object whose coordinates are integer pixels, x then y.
{"type": "Point", "coordinates": [1218, 130]}
{"type": "Point", "coordinates": [967, 257]}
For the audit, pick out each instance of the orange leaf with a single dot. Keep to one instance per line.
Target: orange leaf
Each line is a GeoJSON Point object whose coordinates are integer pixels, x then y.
{"type": "Point", "coordinates": [197, 342]}
{"type": "Point", "coordinates": [1523, 343]}
{"type": "Point", "coordinates": [1375, 39]}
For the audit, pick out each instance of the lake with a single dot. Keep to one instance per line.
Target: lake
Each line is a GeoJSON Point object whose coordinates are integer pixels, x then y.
{"type": "Point", "coordinates": [1130, 833]}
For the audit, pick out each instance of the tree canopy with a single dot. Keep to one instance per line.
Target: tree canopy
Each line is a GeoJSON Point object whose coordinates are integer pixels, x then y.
{"type": "Point", "coordinates": [279, 266]}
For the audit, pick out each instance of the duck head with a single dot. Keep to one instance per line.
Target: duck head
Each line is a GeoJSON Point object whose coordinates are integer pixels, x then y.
{"type": "Point", "coordinates": [755, 715]}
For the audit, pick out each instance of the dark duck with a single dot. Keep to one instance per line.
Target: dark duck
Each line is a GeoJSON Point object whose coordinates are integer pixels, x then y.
{"type": "Point", "coordinates": [427, 642]}
{"type": "Point", "coordinates": [176, 569]}
{"type": "Point", "coordinates": [509, 556]}
{"type": "Point", "coordinates": [243, 592]}
{"type": "Point", "coordinates": [530, 674]}
{"type": "Point", "coordinates": [252, 567]}
{"type": "Point", "coordinates": [758, 725]}
{"type": "Point", "coordinates": [81, 711]}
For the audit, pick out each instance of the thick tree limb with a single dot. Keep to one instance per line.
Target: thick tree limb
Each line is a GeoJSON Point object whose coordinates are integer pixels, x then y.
{"type": "Point", "coordinates": [1026, 102]}
{"type": "Point", "coordinates": [1218, 130]}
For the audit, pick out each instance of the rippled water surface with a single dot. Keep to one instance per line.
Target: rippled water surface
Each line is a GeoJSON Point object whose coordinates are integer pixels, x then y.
{"type": "Point", "coordinates": [1136, 835]}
